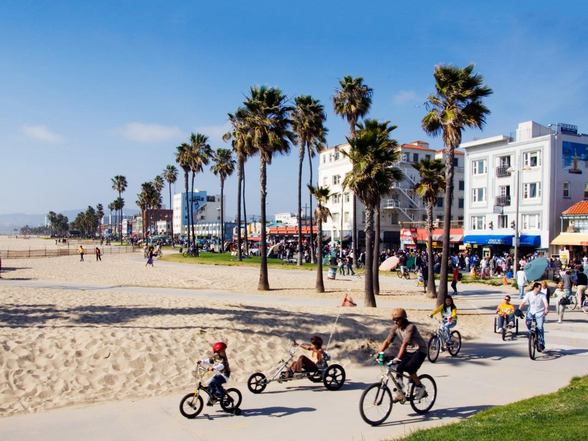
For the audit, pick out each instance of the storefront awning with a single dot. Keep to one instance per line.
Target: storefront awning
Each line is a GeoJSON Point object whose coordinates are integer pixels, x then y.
{"type": "Point", "coordinates": [530, 240]}
{"type": "Point", "coordinates": [488, 239]}
{"type": "Point", "coordinates": [577, 239]}
{"type": "Point", "coordinates": [422, 235]}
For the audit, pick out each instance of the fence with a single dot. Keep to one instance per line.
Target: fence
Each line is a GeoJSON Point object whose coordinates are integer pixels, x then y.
{"type": "Point", "coordinates": [56, 252]}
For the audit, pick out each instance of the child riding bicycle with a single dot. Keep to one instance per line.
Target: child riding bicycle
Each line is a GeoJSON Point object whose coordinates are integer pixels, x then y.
{"type": "Point", "coordinates": [219, 364]}
{"type": "Point", "coordinates": [448, 312]}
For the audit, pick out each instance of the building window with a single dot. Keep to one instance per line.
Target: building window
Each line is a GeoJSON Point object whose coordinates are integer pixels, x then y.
{"type": "Point", "coordinates": [504, 190]}
{"type": "Point", "coordinates": [335, 198]}
{"type": "Point", "coordinates": [456, 162]}
{"type": "Point", "coordinates": [335, 218]}
{"type": "Point", "coordinates": [531, 221]}
{"type": "Point", "coordinates": [415, 157]}
{"type": "Point", "coordinates": [336, 179]}
{"type": "Point", "coordinates": [532, 190]}
{"type": "Point", "coordinates": [324, 158]}
{"type": "Point", "coordinates": [346, 217]}
{"type": "Point", "coordinates": [478, 222]}
{"type": "Point", "coordinates": [502, 221]}
{"type": "Point", "coordinates": [532, 159]}
{"type": "Point", "coordinates": [394, 218]}
{"type": "Point", "coordinates": [479, 194]}
{"type": "Point", "coordinates": [479, 167]}
{"type": "Point", "coordinates": [504, 162]}
{"type": "Point", "coordinates": [428, 157]}
{"type": "Point", "coordinates": [461, 185]}
{"type": "Point", "coordinates": [440, 202]}
{"type": "Point", "coordinates": [566, 190]}
{"type": "Point", "coordinates": [586, 191]}
{"type": "Point", "coordinates": [460, 203]}
{"type": "Point", "coordinates": [336, 156]}
{"type": "Point", "coordinates": [405, 157]}
{"type": "Point", "coordinates": [325, 181]}
{"type": "Point", "coordinates": [346, 197]}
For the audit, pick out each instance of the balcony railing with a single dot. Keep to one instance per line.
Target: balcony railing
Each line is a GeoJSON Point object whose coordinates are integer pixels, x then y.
{"type": "Point", "coordinates": [503, 201]}
{"type": "Point", "coordinates": [503, 171]}
{"type": "Point", "coordinates": [390, 203]}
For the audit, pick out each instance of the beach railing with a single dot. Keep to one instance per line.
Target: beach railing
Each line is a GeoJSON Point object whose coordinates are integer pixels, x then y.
{"type": "Point", "coordinates": [70, 251]}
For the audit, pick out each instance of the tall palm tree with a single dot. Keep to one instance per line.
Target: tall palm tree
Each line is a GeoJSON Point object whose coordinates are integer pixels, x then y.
{"type": "Point", "coordinates": [170, 174]}
{"type": "Point", "coordinates": [352, 101]}
{"type": "Point", "coordinates": [240, 141]}
{"type": "Point", "coordinates": [268, 124]}
{"type": "Point", "coordinates": [200, 154]}
{"type": "Point", "coordinates": [308, 117]}
{"type": "Point", "coordinates": [183, 160]}
{"type": "Point", "coordinates": [119, 184]}
{"type": "Point", "coordinates": [223, 167]}
{"type": "Point", "coordinates": [372, 154]}
{"type": "Point", "coordinates": [322, 213]}
{"type": "Point", "coordinates": [149, 198]}
{"type": "Point", "coordinates": [158, 183]}
{"type": "Point", "coordinates": [455, 105]}
{"type": "Point", "coordinates": [430, 185]}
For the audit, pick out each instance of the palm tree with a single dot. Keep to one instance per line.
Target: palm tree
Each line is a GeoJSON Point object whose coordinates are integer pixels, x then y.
{"type": "Point", "coordinates": [158, 183]}
{"type": "Point", "coordinates": [432, 182]}
{"type": "Point", "coordinates": [372, 155]}
{"type": "Point", "coordinates": [242, 147]}
{"type": "Point", "coordinates": [200, 154]}
{"type": "Point", "coordinates": [322, 213]}
{"type": "Point", "coordinates": [149, 198]}
{"type": "Point", "coordinates": [456, 105]}
{"type": "Point", "coordinates": [170, 174]}
{"type": "Point", "coordinates": [308, 117]}
{"type": "Point", "coordinates": [183, 160]}
{"type": "Point", "coordinates": [268, 122]}
{"type": "Point", "coordinates": [352, 101]}
{"type": "Point", "coordinates": [223, 167]}
{"type": "Point", "coordinates": [119, 184]}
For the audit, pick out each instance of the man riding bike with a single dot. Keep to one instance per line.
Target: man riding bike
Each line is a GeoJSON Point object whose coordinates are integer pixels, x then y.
{"type": "Point", "coordinates": [412, 352]}
{"type": "Point", "coordinates": [538, 309]}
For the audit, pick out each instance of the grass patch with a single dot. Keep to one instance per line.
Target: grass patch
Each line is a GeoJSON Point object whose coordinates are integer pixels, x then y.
{"type": "Point", "coordinates": [227, 259]}
{"type": "Point", "coordinates": [562, 415]}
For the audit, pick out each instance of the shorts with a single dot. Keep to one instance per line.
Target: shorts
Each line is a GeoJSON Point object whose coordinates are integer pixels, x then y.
{"type": "Point", "coordinates": [411, 362]}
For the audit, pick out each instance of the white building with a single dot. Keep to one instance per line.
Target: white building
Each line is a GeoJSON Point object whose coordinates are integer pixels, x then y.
{"type": "Point", "coordinates": [543, 171]}
{"type": "Point", "coordinates": [206, 212]}
{"type": "Point", "coordinates": [289, 219]}
{"type": "Point", "coordinates": [401, 207]}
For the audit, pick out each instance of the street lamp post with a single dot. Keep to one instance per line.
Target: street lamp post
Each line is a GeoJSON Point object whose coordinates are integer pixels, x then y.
{"type": "Point", "coordinates": [516, 236]}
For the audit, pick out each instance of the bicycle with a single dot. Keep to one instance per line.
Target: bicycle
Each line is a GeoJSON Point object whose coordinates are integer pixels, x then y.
{"type": "Point", "coordinates": [438, 343]}
{"type": "Point", "coordinates": [403, 273]}
{"type": "Point", "coordinates": [533, 339]}
{"type": "Point", "coordinates": [376, 401]}
{"type": "Point", "coordinates": [191, 404]}
{"type": "Point", "coordinates": [585, 305]}
{"type": "Point", "coordinates": [332, 376]}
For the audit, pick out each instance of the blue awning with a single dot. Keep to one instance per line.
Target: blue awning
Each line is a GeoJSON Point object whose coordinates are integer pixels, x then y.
{"type": "Point", "coordinates": [527, 240]}
{"type": "Point", "coordinates": [489, 239]}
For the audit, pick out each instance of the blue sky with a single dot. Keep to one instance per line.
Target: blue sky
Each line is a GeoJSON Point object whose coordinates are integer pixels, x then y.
{"type": "Point", "coordinates": [94, 89]}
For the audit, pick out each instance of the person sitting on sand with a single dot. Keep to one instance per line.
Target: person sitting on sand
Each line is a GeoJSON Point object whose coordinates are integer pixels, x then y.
{"type": "Point", "coordinates": [348, 301]}
{"type": "Point", "coordinates": [305, 364]}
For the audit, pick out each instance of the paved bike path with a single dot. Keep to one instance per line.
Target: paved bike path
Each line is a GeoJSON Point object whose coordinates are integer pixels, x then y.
{"type": "Point", "coordinates": [485, 374]}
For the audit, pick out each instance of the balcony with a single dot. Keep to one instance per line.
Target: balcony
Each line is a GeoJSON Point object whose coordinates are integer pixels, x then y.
{"type": "Point", "coordinates": [503, 201]}
{"type": "Point", "coordinates": [503, 171]}
{"type": "Point", "coordinates": [390, 204]}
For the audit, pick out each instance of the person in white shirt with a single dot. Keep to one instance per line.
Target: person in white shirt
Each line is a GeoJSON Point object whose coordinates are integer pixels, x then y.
{"type": "Point", "coordinates": [538, 309]}
{"type": "Point", "coordinates": [521, 281]}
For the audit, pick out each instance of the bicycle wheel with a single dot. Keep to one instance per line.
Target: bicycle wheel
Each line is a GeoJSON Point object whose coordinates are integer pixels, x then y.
{"type": "Point", "coordinates": [375, 404]}
{"type": "Point", "coordinates": [315, 376]}
{"type": "Point", "coordinates": [425, 403]}
{"type": "Point", "coordinates": [399, 274]}
{"type": "Point", "coordinates": [191, 405]}
{"type": "Point", "coordinates": [433, 348]}
{"type": "Point", "coordinates": [503, 334]}
{"type": "Point", "coordinates": [334, 377]}
{"type": "Point", "coordinates": [257, 383]}
{"type": "Point", "coordinates": [532, 345]}
{"type": "Point", "coordinates": [573, 303]}
{"type": "Point", "coordinates": [231, 400]}
{"type": "Point", "coordinates": [455, 345]}
{"type": "Point", "coordinates": [585, 306]}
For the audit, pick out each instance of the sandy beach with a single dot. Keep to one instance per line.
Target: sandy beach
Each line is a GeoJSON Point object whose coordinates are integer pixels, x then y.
{"type": "Point", "coordinates": [62, 346]}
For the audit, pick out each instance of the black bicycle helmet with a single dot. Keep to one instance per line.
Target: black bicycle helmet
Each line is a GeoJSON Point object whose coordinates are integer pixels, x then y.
{"type": "Point", "coordinates": [317, 341]}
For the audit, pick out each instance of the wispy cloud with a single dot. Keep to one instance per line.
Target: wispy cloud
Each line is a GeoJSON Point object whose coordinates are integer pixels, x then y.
{"type": "Point", "coordinates": [142, 132]}
{"type": "Point", "coordinates": [405, 96]}
{"type": "Point", "coordinates": [41, 133]}
{"type": "Point", "coordinates": [214, 132]}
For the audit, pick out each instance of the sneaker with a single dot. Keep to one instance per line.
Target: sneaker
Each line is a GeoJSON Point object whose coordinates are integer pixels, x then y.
{"type": "Point", "coordinates": [398, 395]}
{"type": "Point", "coordinates": [541, 348]}
{"type": "Point", "coordinates": [499, 330]}
{"type": "Point", "coordinates": [419, 392]}
{"type": "Point", "coordinates": [211, 401]}
{"type": "Point", "coordinates": [559, 321]}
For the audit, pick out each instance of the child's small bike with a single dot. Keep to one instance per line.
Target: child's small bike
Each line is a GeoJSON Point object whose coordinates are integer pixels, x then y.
{"type": "Point", "coordinates": [192, 404]}
{"type": "Point", "coordinates": [331, 375]}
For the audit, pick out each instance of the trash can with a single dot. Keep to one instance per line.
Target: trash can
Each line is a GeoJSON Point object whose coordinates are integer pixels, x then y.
{"type": "Point", "coordinates": [332, 274]}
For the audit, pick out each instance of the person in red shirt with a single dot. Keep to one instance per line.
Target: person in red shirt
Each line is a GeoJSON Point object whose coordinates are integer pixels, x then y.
{"type": "Point", "coordinates": [455, 279]}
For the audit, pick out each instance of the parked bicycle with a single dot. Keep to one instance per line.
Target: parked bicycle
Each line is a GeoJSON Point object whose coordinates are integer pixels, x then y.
{"type": "Point", "coordinates": [439, 343]}
{"type": "Point", "coordinates": [376, 401]}
{"type": "Point", "coordinates": [192, 403]}
{"type": "Point", "coordinates": [331, 375]}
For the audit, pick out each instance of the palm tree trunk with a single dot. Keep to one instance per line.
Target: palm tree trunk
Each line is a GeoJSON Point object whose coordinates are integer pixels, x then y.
{"type": "Point", "coordinates": [448, 198]}
{"type": "Point", "coordinates": [300, 162]}
{"type": "Point", "coordinates": [222, 219]}
{"type": "Point", "coordinates": [120, 218]}
{"type": "Point", "coordinates": [194, 235]}
{"type": "Point", "coordinates": [187, 208]}
{"type": "Point", "coordinates": [239, 180]}
{"type": "Point", "coordinates": [354, 231]}
{"type": "Point", "coordinates": [320, 285]}
{"type": "Point", "coordinates": [310, 239]}
{"type": "Point", "coordinates": [376, 257]}
{"type": "Point", "coordinates": [172, 222]}
{"type": "Point", "coordinates": [370, 299]}
{"type": "Point", "coordinates": [263, 284]}
{"type": "Point", "coordinates": [245, 234]}
{"type": "Point", "coordinates": [431, 289]}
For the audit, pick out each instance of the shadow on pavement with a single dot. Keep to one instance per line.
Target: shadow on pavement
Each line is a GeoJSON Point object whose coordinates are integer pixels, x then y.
{"type": "Point", "coordinates": [450, 412]}
{"type": "Point", "coordinates": [276, 411]}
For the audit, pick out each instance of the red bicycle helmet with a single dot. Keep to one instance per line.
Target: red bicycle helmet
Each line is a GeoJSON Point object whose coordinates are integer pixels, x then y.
{"type": "Point", "coordinates": [218, 346]}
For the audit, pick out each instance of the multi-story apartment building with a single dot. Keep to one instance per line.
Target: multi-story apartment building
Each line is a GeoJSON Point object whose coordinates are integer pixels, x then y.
{"type": "Point", "coordinates": [206, 212]}
{"type": "Point", "coordinates": [538, 174]}
{"type": "Point", "coordinates": [401, 207]}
